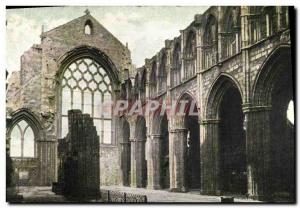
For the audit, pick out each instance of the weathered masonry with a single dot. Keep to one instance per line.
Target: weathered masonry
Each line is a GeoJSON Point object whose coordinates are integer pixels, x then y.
{"type": "Point", "coordinates": [234, 62]}
{"type": "Point", "coordinates": [78, 156]}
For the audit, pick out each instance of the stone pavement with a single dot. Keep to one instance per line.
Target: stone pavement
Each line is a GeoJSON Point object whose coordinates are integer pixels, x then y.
{"type": "Point", "coordinates": [35, 194]}
{"type": "Point", "coordinates": [39, 194]}
{"type": "Point", "coordinates": [166, 196]}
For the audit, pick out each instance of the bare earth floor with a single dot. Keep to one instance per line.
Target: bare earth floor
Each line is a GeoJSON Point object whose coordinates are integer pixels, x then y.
{"type": "Point", "coordinates": [44, 195]}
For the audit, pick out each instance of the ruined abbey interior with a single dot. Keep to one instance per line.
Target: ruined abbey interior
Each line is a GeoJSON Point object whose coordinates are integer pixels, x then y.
{"type": "Point", "coordinates": [234, 62]}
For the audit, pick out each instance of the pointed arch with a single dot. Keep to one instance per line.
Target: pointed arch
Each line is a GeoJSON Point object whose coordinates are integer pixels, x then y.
{"type": "Point", "coordinates": [153, 79]}
{"type": "Point", "coordinates": [88, 27]}
{"type": "Point", "coordinates": [190, 47]}
{"type": "Point", "coordinates": [84, 51]}
{"type": "Point", "coordinates": [176, 65]}
{"type": "Point", "coordinates": [219, 87]}
{"type": "Point", "coordinates": [27, 115]}
{"type": "Point", "coordinates": [87, 80]}
{"type": "Point", "coordinates": [268, 72]}
{"type": "Point", "coordinates": [210, 42]}
{"type": "Point", "coordinates": [162, 72]}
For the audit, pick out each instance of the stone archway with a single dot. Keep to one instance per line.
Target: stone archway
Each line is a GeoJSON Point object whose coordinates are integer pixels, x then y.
{"type": "Point", "coordinates": [164, 160]}
{"type": "Point", "coordinates": [40, 168]}
{"type": "Point", "coordinates": [125, 152]}
{"type": "Point", "coordinates": [140, 148]}
{"type": "Point", "coordinates": [232, 144]}
{"type": "Point", "coordinates": [158, 161]}
{"type": "Point", "coordinates": [192, 176]}
{"type": "Point", "coordinates": [224, 146]}
{"type": "Point", "coordinates": [271, 131]}
{"type": "Point", "coordinates": [185, 166]}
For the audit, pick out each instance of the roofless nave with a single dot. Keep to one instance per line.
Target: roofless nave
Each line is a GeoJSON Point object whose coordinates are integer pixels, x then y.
{"type": "Point", "coordinates": [235, 63]}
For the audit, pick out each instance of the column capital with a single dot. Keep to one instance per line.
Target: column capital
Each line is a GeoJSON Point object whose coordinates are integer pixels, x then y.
{"type": "Point", "coordinates": [248, 108]}
{"type": "Point", "coordinates": [178, 130]}
{"type": "Point", "coordinates": [155, 136]}
{"type": "Point", "coordinates": [132, 139]}
{"type": "Point", "coordinates": [209, 121]}
{"type": "Point", "coordinates": [125, 143]}
{"type": "Point", "coordinates": [132, 119]}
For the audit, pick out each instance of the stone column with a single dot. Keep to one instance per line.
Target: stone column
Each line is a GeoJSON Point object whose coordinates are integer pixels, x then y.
{"type": "Point", "coordinates": [133, 163]}
{"type": "Point", "coordinates": [125, 151]}
{"type": "Point", "coordinates": [154, 169]}
{"type": "Point", "coordinates": [132, 139]}
{"type": "Point", "coordinates": [210, 173]}
{"type": "Point", "coordinates": [140, 162]}
{"type": "Point", "coordinates": [177, 148]}
{"type": "Point", "coordinates": [257, 126]}
{"type": "Point", "coordinates": [182, 43]}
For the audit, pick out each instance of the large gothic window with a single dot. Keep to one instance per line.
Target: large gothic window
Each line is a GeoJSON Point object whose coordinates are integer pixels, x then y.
{"type": "Point", "coordinates": [86, 86]}
{"type": "Point", "coordinates": [22, 140]}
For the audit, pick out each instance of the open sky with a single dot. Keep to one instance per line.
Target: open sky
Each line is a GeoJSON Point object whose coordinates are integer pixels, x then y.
{"type": "Point", "coordinates": [144, 28]}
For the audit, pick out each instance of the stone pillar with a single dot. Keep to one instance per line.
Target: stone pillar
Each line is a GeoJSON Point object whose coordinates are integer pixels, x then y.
{"type": "Point", "coordinates": [210, 173]}
{"type": "Point", "coordinates": [257, 126]}
{"type": "Point", "coordinates": [133, 145]}
{"type": "Point", "coordinates": [141, 175]}
{"type": "Point", "coordinates": [125, 151]}
{"type": "Point", "coordinates": [177, 148]}
{"type": "Point", "coordinates": [133, 163]}
{"type": "Point", "coordinates": [245, 26]}
{"type": "Point", "coordinates": [154, 169]}
{"type": "Point", "coordinates": [182, 43]}
{"type": "Point", "coordinates": [138, 162]}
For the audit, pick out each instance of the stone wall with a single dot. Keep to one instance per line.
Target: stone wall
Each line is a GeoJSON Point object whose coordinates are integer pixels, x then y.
{"type": "Point", "coordinates": [36, 86]}
{"type": "Point", "coordinates": [79, 172]}
{"type": "Point", "coordinates": [204, 78]}
{"type": "Point", "coordinates": [109, 165]}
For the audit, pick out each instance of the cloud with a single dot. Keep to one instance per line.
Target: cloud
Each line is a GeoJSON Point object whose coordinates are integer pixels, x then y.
{"type": "Point", "coordinates": [144, 28]}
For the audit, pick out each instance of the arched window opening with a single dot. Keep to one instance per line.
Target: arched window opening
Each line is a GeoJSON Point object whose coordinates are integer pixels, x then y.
{"type": "Point", "coordinates": [136, 87]}
{"type": "Point", "coordinates": [153, 80]}
{"type": "Point", "coordinates": [271, 20]}
{"type": "Point", "coordinates": [257, 22]}
{"type": "Point", "coordinates": [190, 53]}
{"type": "Point", "coordinates": [22, 140]}
{"type": "Point", "coordinates": [191, 45]}
{"type": "Point", "coordinates": [162, 76]}
{"type": "Point", "coordinates": [129, 90]}
{"type": "Point", "coordinates": [232, 35]}
{"type": "Point", "coordinates": [210, 45]}
{"type": "Point", "coordinates": [123, 94]}
{"type": "Point", "coordinates": [143, 86]}
{"type": "Point", "coordinates": [284, 17]}
{"type": "Point", "coordinates": [86, 86]}
{"type": "Point", "coordinates": [290, 112]}
{"type": "Point", "coordinates": [176, 65]}
{"type": "Point", "coordinates": [88, 28]}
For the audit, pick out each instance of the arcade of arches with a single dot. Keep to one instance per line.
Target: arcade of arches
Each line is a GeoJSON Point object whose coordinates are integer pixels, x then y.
{"type": "Point", "coordinates": [238, 141]}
